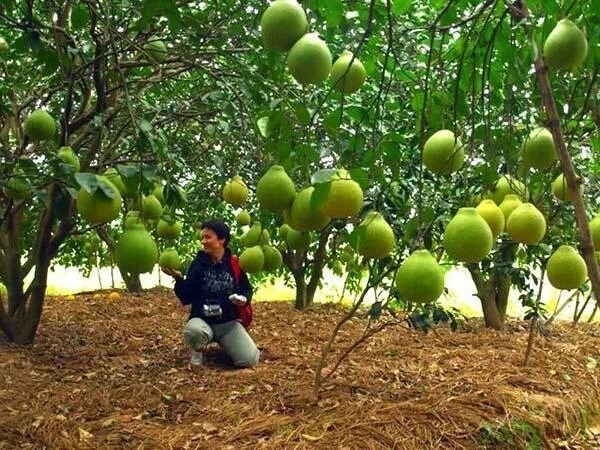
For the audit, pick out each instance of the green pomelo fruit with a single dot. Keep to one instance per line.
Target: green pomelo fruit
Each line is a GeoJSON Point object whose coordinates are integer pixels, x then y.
{"type": "Point", "coordinates": [493, 215]}
{"type": "Point", "coordinates": [158, 193]}
{"type": "Point", "coordinates": [595, 231]}
{"type": "Point", "coordinates": [420, 278]}
{"type": "Point", "coordinates": [235, 192]}
{"type": "Point", "coordinates": [347, 80]}
{"type": "Point", "coordinates": [169, 259]}
{"type": "Point", "coordinates": [565, 47]}
{"type": "Point", "coordinates": [275, 190]}
{"type": "Point", "coordinates": [508, 205]}
{"type": "Point", "coordinates": [252, 237]}
{"type": "Point", "coordinates": [265, 237]}
{"type": "Point", "coordinates": [442, 153]}
{"type": "Point", "coordinates": [468, 238]}
{"type": "Point", "coordinates": [136, 251]}
{"type": "Point", "coordinates": [338, 268]}
{"type": "Point", "coordinates": [168, 230]}
{"type": "Point", "coordinates": [68, 156]}
{"type": "Point", "coordinates": [301, 216]}
{"type": "Point", "coordinates": [309, 60]}
{"type": "Point", "coordinates": [99, 207]}
{"type": "Point", "coordinates": [252, 260]}
{"type": "Point", "coordinates": [376, 239]}
{"type": "Point", "coordinates": [526, 224]}
{"type": "Point", "coordinates": [114, 177]}
{"type": "Point", "coordinates": [3, 291]}
{"type": "Point", "coordinates": [283, 231]}
{"type": "Point", "coordinates": [273, 258]}
{"type": "Point", "coordinates": [538, 150]}
{"type": "Point", "coordinates": [18, 186]}
{"type": "Point", "coordinates": [508, 185]}
{"type": "Point", "coordinates": [282, 24]}
{"type": "Point", "coordinates": [39, 126]}
{"type": "Point", "coordinates": [156, 48]}
{"type": "Point", "coordinates": [560, 189]}
{"type": "Point", "coordinates": [3, 45]}
{"type": "Point", "coordinates": [345, 199]}
{"type": "Point", "coordinates": [151, 207]}
{"type": "Point", "coordinates": [566, 268]}
{"type": "Point", "coordinates": [132, 218]}
{"type": "Point", "coordinates": [298, 240]}
{"type": "Point", "coordinates": [243, 218]}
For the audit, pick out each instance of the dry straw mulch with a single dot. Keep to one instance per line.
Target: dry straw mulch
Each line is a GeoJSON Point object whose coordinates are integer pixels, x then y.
{"type": "Point", "coordinates": [114, 374]}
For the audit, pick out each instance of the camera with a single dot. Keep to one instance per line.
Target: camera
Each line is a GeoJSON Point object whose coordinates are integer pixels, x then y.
{"type": "Point", "coordinates": [212, 310]}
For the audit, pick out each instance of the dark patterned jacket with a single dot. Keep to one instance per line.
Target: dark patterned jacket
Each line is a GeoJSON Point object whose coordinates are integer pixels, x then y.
{"type": "Point", "coordinates": [209, 283]}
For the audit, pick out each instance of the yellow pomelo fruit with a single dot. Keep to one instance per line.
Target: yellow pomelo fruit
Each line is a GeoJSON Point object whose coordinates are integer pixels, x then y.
{"type": "Point", "coordinates": [526, 224]}
{"type": "Point", "coordinates": [151, 207]}
{"type": "Point", "coordinates": [136, 251]}
{"type": "Point", "coordinates": [442, 153]}
{"type": "Point", "coordinates": [309, 60]}
{"type": "Point", "coordinates": [345, 199]}
{"type": "Point", "coordinates": [169, 258]}
{"type": "Point", "coordinates": [561, 190]}
{"type": "Point", "coordinates": [275, 190]}
{"type": "Point", "coordinates": [68, 156]}
{"type": "Point", "coordinates": [566, 268]}
{"type": "Point", "coordinates": [243, 218]}
{"type": "Point", "coordinates": [252, 260]}
{"type": "Point", "coordinates": [235, 192]}
{"type": "Point", "coordinates": [114, 296]}
{"type": "Point", "coordinates": [508, 185]}
{"type": "Point", "coordinates": [282, 24]}
{"type": "Point", "coordinates": [297, 240]}
{"type": "Point", "coordinates": [39, 126]}
{"type": "Point", "coordinates": [273, 258]}
{"type": "Point", "coordinates": [18, 186]}
{"type": "Point", "coordinates": [158, 193]}
{"type": "Point", "coordinates": [301, 216]}
{"type": "Point", "coordinates": [468, 238]}
{"type": "Point", "coordinates": [376, 239]}
{"type": "Point", "coordinates": [420, 278]}
{"type": "Point", "coordinates": [114, 177]}
{"type": "Point", "coordinates": [493, 215]}
{"type": "Point", "coordinates": [595, 231]}
{"type": "Point", "coordinates": [156, 48]}
{"type": "Point", "coordinates": [168, 230]}
{"type": "Point", "coordinates": [565, 47]}
{"type": "Point", "coordinates": [347, 80]}
{"type": "Point", "coordinates": [98, 207]}
{"type": "Point", "coordinates": [508, 205]}
{"type": "Point", "coordinates": [538, 150]}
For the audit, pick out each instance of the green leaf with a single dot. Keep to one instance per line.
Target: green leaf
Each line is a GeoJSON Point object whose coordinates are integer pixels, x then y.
{"type": "Point", "coordinates": [333, 119]}
{"type": "Point", "coordinates": [360, 176]}
{"type": "Point", "coordinates": [87, 181]}
{"type": "Point", "coordinates": [333, 10]}
{"type": "Point", "coordinates": [319, 196]}
{"type": "Point", "coordinates": [80, 17]}
{"type": "Point", "coordinates": [302, 114]}
{"type": "Point", "coordinates": [323, 176]}
{"type": "Point", "coordinates": [401, 6]}
{"type": "Point", "coordinates": [263, 126]}
{"type": "Point", "coordinates": [108, 188]}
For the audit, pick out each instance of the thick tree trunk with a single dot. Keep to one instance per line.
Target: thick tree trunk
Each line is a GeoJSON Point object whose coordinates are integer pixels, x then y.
{"type": "Point", "coordinates": [132, 282]}
{"type": "Point", "coordinates": [301, 301]}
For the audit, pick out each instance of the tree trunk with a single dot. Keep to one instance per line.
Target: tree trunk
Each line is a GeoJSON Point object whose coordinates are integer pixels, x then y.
{"type": "Point", "coordinates": [132, 282]}
{"type": "Point", "coordinates": [301, 301]}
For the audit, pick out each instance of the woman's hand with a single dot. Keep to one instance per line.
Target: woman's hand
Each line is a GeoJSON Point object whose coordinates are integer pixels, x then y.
{"type": "Point", "coordinates": [172, 272]}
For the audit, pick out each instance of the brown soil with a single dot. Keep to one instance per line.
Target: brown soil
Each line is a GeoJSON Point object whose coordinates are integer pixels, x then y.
{"type": "Point", "coordinates": [114, 374]}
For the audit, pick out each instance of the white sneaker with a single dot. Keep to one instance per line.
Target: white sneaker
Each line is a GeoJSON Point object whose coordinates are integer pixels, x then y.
{"type": "Point", "coordinates": [197, 358]}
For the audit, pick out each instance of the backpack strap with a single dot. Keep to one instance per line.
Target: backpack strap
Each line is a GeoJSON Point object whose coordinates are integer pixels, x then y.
{"type": "Point", "coordinates": [235, 267]}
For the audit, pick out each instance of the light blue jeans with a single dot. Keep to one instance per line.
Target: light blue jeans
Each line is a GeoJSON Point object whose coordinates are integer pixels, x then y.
{"type": "Point", "coordinates": [232, 336]}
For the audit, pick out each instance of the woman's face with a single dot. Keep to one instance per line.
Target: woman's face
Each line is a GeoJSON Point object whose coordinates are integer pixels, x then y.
{"type": "Point", "coordinates": [210, 241]}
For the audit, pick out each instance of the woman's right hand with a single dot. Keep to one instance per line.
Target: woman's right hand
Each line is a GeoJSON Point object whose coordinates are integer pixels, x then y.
{"type": "Point", "coordinates": [172, 272]}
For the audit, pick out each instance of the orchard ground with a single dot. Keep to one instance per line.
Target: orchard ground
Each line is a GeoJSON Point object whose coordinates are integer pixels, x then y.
{"type": "Point", "coordinates": [107, 374]}
{"type": "Point", "coordinates": [461, 290]}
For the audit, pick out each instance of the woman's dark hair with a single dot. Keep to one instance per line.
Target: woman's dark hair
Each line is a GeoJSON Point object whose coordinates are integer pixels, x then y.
{"type": "Point", "coordinates": [219, 227]}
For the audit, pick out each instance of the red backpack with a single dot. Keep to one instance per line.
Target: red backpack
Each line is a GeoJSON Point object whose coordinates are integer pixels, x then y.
{"type": "Point", "coordinates": [244, 312]}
